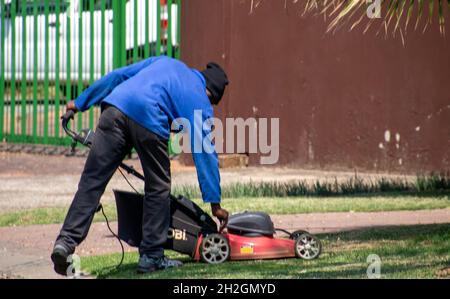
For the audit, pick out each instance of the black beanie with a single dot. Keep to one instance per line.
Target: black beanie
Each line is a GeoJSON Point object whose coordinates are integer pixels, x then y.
{"type": "Point", "coordinates": [216, 81]}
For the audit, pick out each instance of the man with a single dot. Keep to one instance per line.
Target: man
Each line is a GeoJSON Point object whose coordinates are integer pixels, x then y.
{"type": "Point", "coordinates": [139, 103]}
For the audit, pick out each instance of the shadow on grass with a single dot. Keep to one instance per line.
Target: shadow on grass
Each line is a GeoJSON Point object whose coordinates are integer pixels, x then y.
{"type": "Point", "coordinates": [386, 271]}
{"type": "Point", "coordinates": [433, 184]}
{"type": "Point", "coordinates": [405, 251]}
{"type": "Point", "coordinates": [397, 233]}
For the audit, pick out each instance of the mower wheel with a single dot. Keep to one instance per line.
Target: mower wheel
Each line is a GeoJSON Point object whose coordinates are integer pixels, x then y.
{"type": "Point", "coordinates": [215, 249]}
{"type": "Point", "coordinates": [298, 233]}
{"type": "Point", "coordinates": [307, 247]}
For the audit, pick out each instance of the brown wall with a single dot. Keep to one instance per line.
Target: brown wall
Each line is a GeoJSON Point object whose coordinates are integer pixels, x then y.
{"type": "Point", "coordinates": [336, 95]}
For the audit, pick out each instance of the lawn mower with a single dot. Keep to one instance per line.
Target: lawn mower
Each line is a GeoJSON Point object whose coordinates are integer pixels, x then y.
{"type": "Point", "coordinates": [247, 236]}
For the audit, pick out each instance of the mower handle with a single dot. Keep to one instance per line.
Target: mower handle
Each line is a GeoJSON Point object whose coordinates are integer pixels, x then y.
{"type": "Point", "coordinates": [77, 138]}
{"type": "Point", "coordinates": [65, 124]}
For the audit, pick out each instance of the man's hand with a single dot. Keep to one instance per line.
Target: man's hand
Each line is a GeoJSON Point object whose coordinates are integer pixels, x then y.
{"type": "Point", "coordinates": [221, 214]}
{"type": "Point", "coordinates": [71, 107]}
{"type": "Point", "coordinates": [70, 112]}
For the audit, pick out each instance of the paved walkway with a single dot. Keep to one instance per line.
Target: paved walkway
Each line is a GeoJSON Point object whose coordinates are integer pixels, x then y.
{"type": "Point", "coordinates": [33, 181]}
{"type": "Point", "coordinates": [24, 251]}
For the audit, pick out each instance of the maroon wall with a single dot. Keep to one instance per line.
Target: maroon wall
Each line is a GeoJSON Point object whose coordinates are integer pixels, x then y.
{"type": "Point", "coordinates": [336, 94]}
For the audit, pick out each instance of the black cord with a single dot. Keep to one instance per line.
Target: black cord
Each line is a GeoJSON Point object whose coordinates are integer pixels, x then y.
{"type": "Point", "coordinates": [284, 231]}
{"type": "Point", "coordinates": [109, 227]}
{"type": "Point", "coordinates": [114, 234]}
{"type": "Point", "coordinates": [129, 183]}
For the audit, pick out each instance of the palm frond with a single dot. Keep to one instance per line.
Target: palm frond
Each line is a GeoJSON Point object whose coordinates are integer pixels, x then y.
{"type": "Point", "coordinates": [394, 13]}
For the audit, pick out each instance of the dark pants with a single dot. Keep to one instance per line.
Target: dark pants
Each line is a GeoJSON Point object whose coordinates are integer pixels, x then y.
{"type": "Point", "coordinates": [115, 136]}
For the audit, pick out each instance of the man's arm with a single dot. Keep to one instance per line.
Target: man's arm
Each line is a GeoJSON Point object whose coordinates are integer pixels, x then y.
{"type": "Point", "coordinates": [207, 165]}
{"type": "Point", "coordinates": [103, 87]}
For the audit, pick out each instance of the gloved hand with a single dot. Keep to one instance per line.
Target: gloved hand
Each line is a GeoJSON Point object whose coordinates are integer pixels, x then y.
{"type": "Point", "coordinates": [221, 214]}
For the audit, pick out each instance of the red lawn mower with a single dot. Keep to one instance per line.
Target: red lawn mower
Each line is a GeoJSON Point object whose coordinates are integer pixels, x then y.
{"type": "Point", "coordinates": [247, 236]}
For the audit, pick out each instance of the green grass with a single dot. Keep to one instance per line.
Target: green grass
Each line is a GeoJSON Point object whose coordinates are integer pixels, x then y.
{"type": "Point", "coordinates": [289, 205]}
{"type": "Point", "coordinates": [45, 216]}
{"type": "Point", "coordinates": [295, 197]}
{"type": "Point", "coordinates": [405, 252]}
{"type": "Point", "coordinates": [301, 205]}
{"type": "Point", "coordinates": [433, 184]}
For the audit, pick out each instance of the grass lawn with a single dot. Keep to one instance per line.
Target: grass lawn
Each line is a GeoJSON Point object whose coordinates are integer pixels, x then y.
{"type": "Point", "coordinates": [277, 205]}
{"type": "Point", "coordinates": [405, 252]}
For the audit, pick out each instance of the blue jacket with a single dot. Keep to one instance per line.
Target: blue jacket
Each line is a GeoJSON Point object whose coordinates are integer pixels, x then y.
{"type": "Point", "coordinates": [154, 93]}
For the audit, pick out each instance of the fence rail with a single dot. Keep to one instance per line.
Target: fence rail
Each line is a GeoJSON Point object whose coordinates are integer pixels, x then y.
{"type": "Point", "coordinates": [51, 50]}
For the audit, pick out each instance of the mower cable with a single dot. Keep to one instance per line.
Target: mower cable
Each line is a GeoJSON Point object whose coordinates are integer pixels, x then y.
{"type": "Point", "coordinates": [284, 231]}
{"type": "Point", "coordinates": [116, 236]}
{"type": "Point", "coordinates": [107, 221]}
{"type": "Point", "coordinates": [126, 179]}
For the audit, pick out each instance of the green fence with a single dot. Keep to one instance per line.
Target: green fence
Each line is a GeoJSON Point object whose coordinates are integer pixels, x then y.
{"type": "Point", "coordinates": [51, 50]}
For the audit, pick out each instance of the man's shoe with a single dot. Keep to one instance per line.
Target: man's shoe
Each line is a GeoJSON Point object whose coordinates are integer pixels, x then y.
{"type": "Point", "coordinates": [59, 258]}
{"type": "Point", "coordinates": [149, 264]}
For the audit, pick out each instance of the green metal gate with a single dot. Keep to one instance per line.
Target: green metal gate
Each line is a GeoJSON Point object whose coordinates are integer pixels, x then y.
{"type": "Point", "coordinates": [51, 50]}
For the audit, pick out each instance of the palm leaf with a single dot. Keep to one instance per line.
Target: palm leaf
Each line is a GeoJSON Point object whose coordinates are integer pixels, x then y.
{"type": "Point", "coordinates": [395, 12]}
{"type": "Point", "coordinates": [343, 12]}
